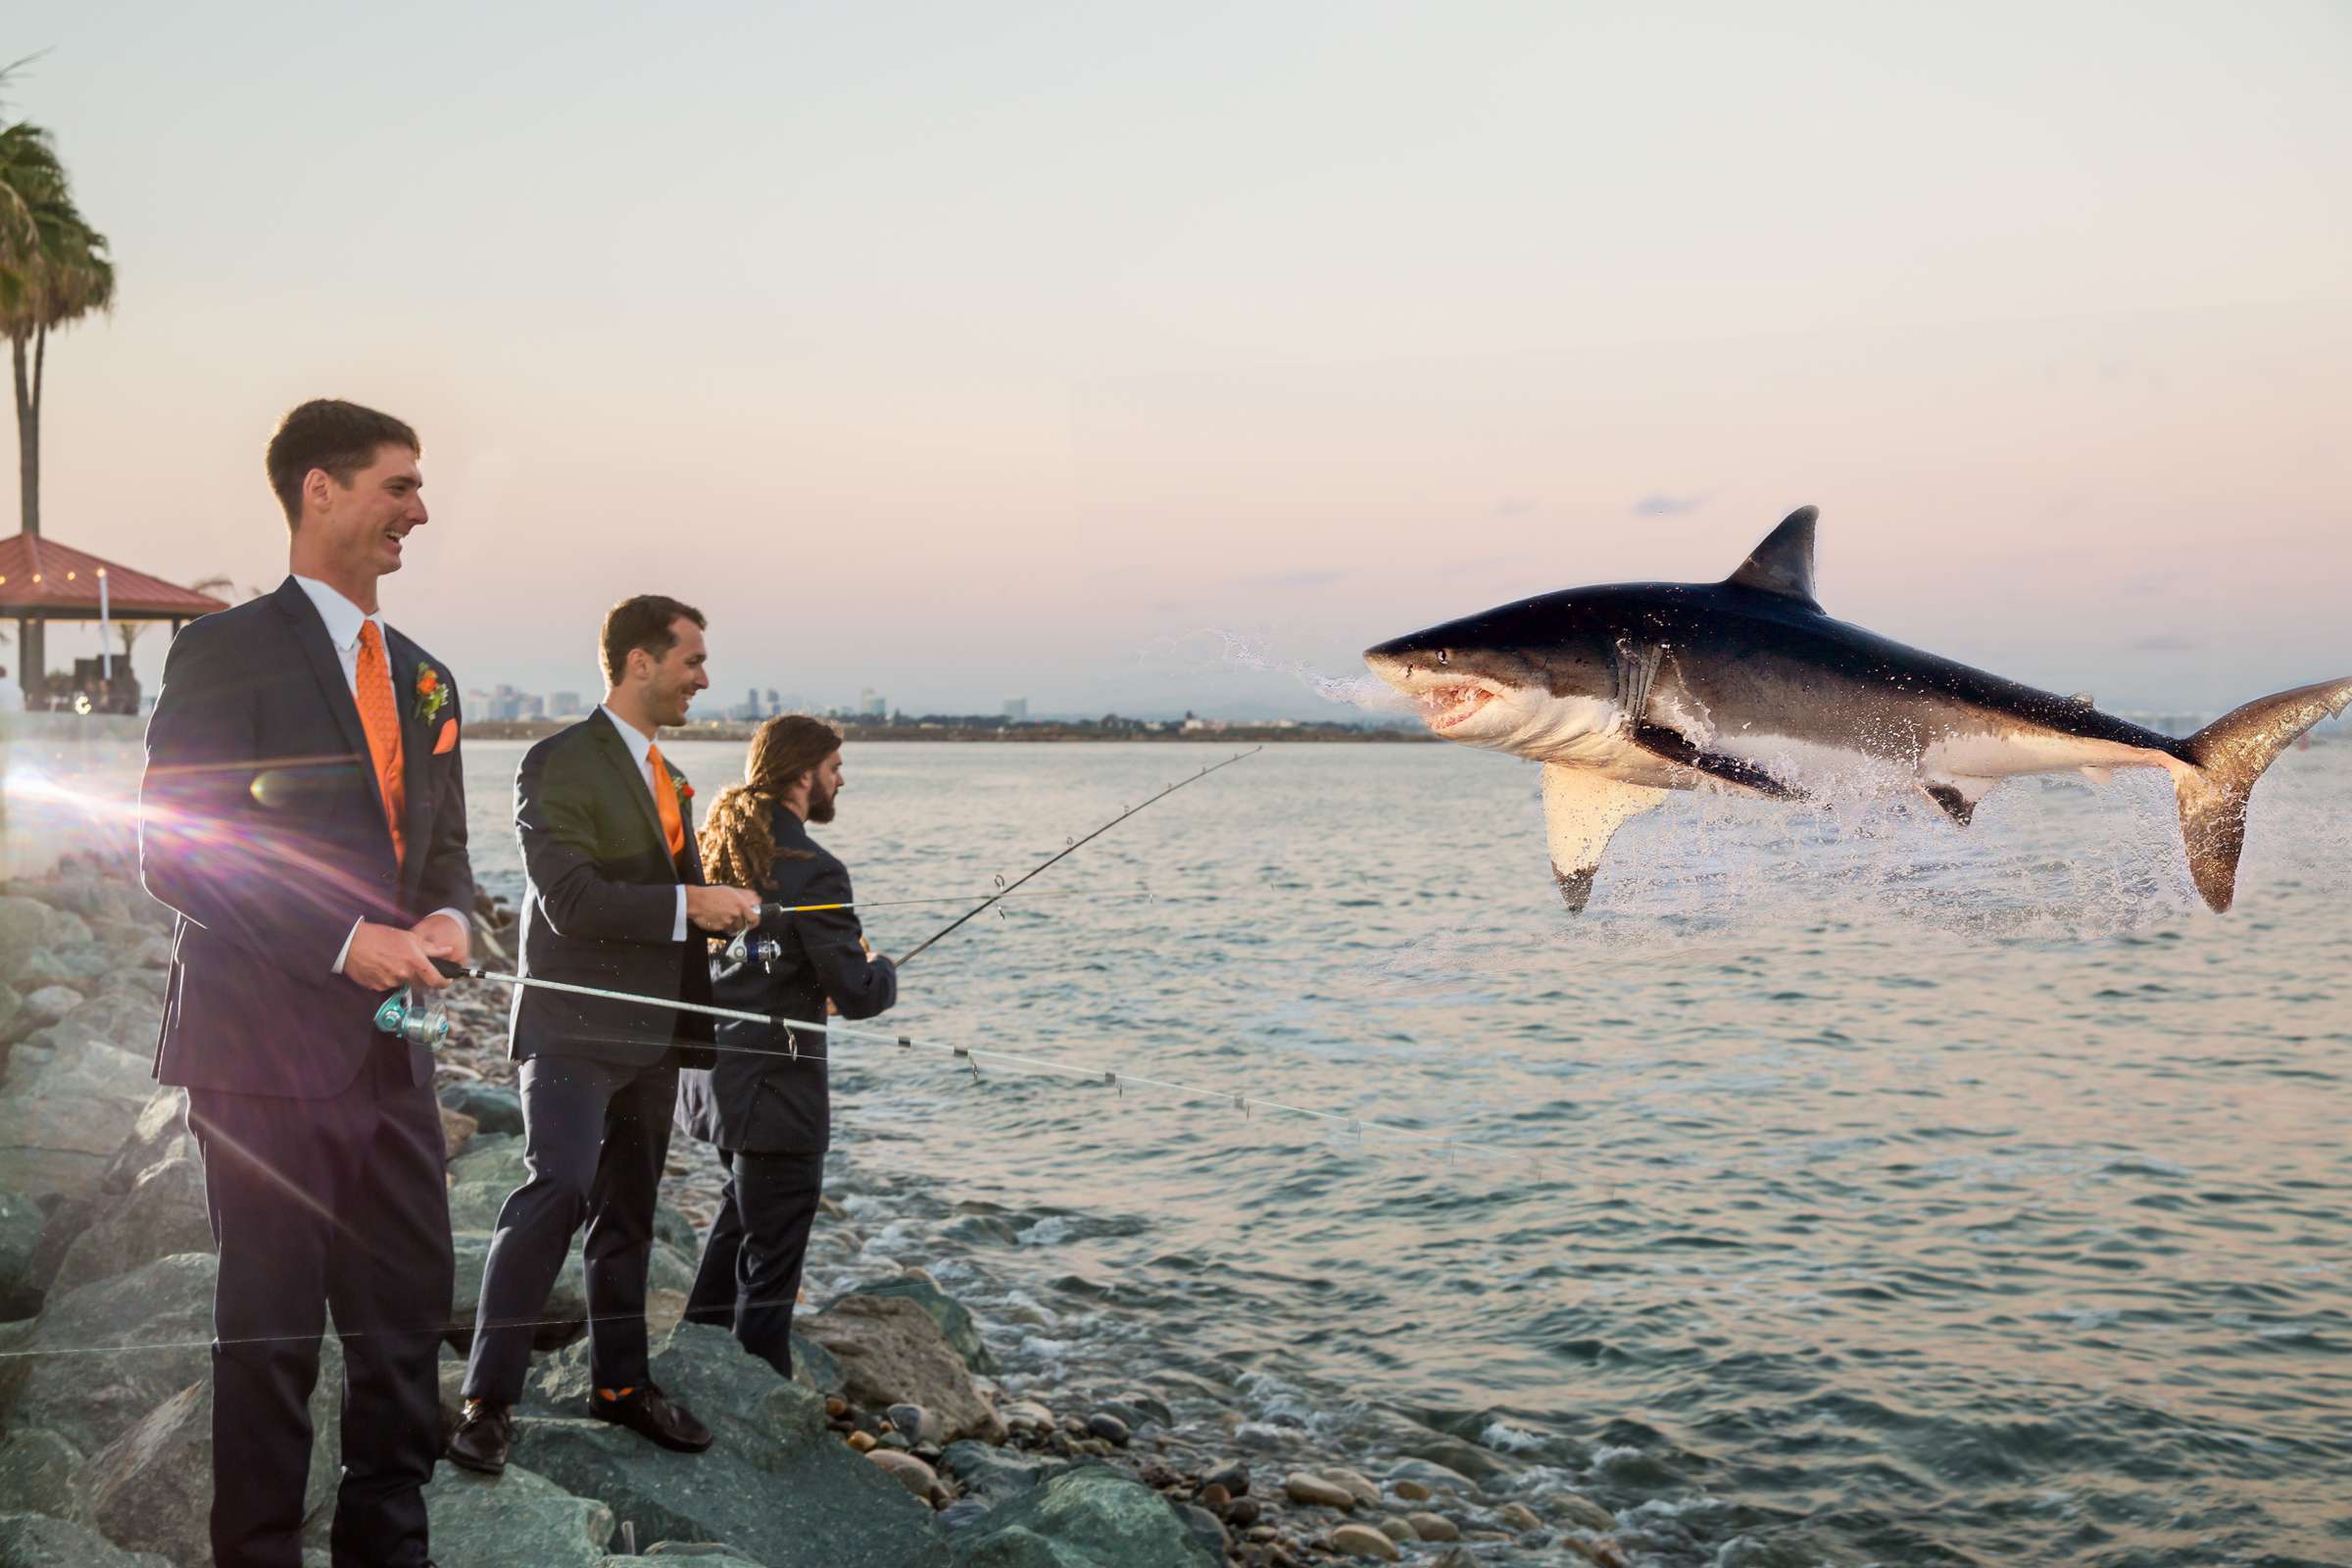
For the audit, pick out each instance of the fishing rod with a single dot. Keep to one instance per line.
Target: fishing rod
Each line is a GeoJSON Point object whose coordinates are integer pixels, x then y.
{"type": "Point", "coordinates": [754, 947]}
{"type": "Point", "coordinates": [1070, 848]}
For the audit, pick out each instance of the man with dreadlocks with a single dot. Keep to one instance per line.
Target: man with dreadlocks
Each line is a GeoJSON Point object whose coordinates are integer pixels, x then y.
{"type": "Point", "coordinates": [765, 1104]}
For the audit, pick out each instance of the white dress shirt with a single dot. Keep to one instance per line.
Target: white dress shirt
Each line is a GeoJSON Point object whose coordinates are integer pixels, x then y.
{"type": "Point", "coordinates": [343, 622]}
{"type": "Point", "coordinates": [640, 745]}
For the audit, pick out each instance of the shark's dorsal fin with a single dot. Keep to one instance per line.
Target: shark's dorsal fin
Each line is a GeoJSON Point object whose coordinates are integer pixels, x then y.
{"type": "Point", "coordinates": [1783, 563]}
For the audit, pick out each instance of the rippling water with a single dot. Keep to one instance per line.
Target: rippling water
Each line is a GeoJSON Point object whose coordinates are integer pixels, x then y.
{"type": "Point", "coordinates": [1858, 1189]}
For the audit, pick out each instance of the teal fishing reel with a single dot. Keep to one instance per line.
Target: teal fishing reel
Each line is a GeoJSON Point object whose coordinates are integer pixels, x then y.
{"type": "Point", "coordinates": [753, 947]}
{"type": "Point", "coordinates": [413, 1020]}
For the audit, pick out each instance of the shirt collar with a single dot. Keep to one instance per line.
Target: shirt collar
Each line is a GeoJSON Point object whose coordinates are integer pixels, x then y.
{"type": "Point", "coordinates": [343, 617]}
{"type": "Point", "coordinates": [637, 741]}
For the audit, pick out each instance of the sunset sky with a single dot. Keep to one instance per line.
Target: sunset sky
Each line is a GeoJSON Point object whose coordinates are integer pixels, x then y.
{"type": "Point", "coordinates": [1148, 357]}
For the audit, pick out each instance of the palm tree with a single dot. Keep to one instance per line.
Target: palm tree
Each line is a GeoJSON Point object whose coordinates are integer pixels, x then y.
{"type": "Point", "coordinates": [55, 270]}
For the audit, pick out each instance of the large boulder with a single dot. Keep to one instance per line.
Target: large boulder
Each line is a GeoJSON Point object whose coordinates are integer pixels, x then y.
{"type": "Point", "coordinates": [35, 1470]}
{"type": "Point", "coordinates": [892, 1352]}
{"type": "Point", "coordinates": [159, 1133]}
{"type": "Point", "coordinates": [997, 1474]}
{"type": "Point", "coordinates": [1091, 1517]}
{"type": "Point", "coordinates": [161, 1215]}
{"type": "Point", "coordinates": [21, 1222]}
{"type": "Point", "coordinates": [494, 1107]}
{"type": "Point", "coordinates": [776, 1485]}
{"type": "Point", "coordinates": [125, 1025]}
{"type": "Point", "coordinates": [494, 1160]}
{"type": "Point", "coordinates": [955, 1320]}
{"type": "Point", "coordinates": [35, 1540]}
{"type": "Point", "coordinates": [70, 1100]}
{"type": "Point", "coordinates": [151, 1488]}
{"type": "Point", "coordinates": [30, 927]}
{"type": "Point", "coordinates": [103, 1355]}
{"type": "Point", "coordinates": [518, 1518]}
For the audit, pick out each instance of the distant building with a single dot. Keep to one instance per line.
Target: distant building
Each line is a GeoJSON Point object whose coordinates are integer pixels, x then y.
{"type": "Point", "coordinates": [775, 704]}
{"type": "Point", "coordinates": [477, 704]}
{"type": "Point", "coordinates": [530, 705]}
{"type": "Point", "coordinates": [564, 705]}
{"type": "Point", "coordinates": [1017, 710]}
{"type": "Point", "coordinates": [870, 706]}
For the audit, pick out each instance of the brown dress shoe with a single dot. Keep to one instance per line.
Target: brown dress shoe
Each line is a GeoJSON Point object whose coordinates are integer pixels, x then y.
{"type": "Point", "coordinates": [485, 1437]}
{"type": "Point", "coordinates": [652, 1415]}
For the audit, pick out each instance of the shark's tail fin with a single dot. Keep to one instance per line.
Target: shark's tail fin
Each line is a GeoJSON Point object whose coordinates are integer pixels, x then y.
{"type": "Point", "coordinates": [2228, 755]}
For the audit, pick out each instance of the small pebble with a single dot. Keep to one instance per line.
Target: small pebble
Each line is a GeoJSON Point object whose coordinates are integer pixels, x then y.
{"type": "Point", "coordinates": [1234, 1477]}
{"type": "Point", "coordinates": [1213, 1497]}
{"type": "Point", "coordinates": [1299, 1487]}
{"type": "Point", "coordinates": [912, 1473]}
{"type": "Point", "coordinates": [1362, 1540]}
{"type": "Point", "coordinates": [1242, 1514]}
{"type": "Point", "coordinates": [1585, 1513]}
{"type": "Point", "coordinates": [1434, 1527]}
{"type": "Point", "coordinates": [836, 1408]}
{"type": "Point", "coordinates": [1109, 1428]}
{"type": "Point", "coordinates": [1519, 1516]}
{"type": "Point", "coordinates": [1413, 1492]}
{"type": "Point", "coordinates": [1395, 1530]}
{"type": "Point", "coordinates": [863, 1442]}
{"type": "Point", "coordinates": [1359, 1486]}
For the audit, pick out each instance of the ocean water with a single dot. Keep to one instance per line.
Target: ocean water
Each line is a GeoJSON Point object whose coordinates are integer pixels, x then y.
{"type": "Point", "coordinates": [1848, 1186]}
{"type": "Point", "coordinates": [1843, 1187]}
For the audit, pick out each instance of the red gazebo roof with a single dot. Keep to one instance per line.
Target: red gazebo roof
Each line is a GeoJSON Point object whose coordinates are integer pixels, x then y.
{"type": "Point", "coordinates": [40, 576]}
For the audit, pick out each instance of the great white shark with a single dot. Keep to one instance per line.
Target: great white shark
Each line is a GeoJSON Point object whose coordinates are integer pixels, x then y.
{"type": "Point", "coordinates": [1626, 691]}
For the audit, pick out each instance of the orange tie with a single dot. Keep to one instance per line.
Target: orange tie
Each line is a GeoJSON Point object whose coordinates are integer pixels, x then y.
{"type": "Point", "coordinates": [665, 804]}
{"type": "Point", "coordinates": [380, 717]}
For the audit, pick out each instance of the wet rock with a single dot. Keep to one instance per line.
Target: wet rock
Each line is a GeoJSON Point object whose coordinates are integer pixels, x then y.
{"type": "Point", "coordinates": [21, 1222]}
{"type": "Point", "coordinates": [998, 1473]}
{"type": "Point", "coordinates": [91, 1400]}
{"type": "Point", "coordinates": [1027, 1418]}
{"type": "Point", "coordinates": [776, 1483]}
{"type": "Point", "coordinates": [519, 1517]}
{"type": "Point", "coordinates": [1436, 1477]}
{"type": "Point", "coordinates": [918, 1424]}
{"type": "Point", "coordinates": [1433, 1526]}
{"type": "Point", "coordinates": [151, 1488]}
{"type": "Point", "coordinates": [1091, 1517]}
{"type": "Point", "coordinates": [1359, 1486]}
{"type": "Point", "coordinates": [34, 1469]}
{"type": "Point", "coordinates": [1519, 1516]}
{"type": "Point", "coordinates": [1109, 1428]}
{"type": "Point", "coordinates": [955, 1322]}
{"type": "Point", "coordinates": [1583, 1513]}
{"type": "Point", "coordinates": [1410, 1491]}
{"type": "Point", "coordinates": [162, 1215]}
{"type": "Point", "coordinates": [1316, 1492]}
{"type": "Point", "coordinates": [1467, 1461]}
{"type": "Point", "coordinates": [918, 1478]}
{"type": "Point", "coordinates": [956, 1515]}
{"type": "Point", "coordinates": [494, 1107]}
{"type": "Point", "coordinates": [891, 1349]}
{"type": "Point", "coordinates": [1242, 1513]}
{"type": "Point", "coordinates": [1395, 1529]}
{"type": "Point", "coordinates": [33, 1541]}
{"type": "Point", "coordinates": [1233, 1476]}
{"type": "Point", "coordinates": [1213, 1498]}
{"type": "Point", "coordinates": [1362, 1540]}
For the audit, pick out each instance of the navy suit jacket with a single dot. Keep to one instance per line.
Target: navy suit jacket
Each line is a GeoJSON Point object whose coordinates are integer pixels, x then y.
{"type": "Point", "coordinates": [262, 825]}
{"type": "Point", "coordinates": [600, 906]}
{"type": "Point", "coordinates": [771, 1104]}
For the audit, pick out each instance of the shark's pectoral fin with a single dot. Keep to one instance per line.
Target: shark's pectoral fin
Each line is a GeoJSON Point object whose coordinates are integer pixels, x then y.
{"type": "Point", "coordinates": [1582, 810]}
{"type": "Point", "coordinates": [1674, 746]}
{"type": "Point", "coordinates": [1957, 796]}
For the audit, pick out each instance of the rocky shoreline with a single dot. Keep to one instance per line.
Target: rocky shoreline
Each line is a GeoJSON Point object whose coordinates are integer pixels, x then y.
{"type": "Point", "coordinates": [901, 1440]}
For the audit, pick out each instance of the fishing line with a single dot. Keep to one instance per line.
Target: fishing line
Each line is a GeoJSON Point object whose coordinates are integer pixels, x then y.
{"type": "Point", "coordinates": [1070, 848]}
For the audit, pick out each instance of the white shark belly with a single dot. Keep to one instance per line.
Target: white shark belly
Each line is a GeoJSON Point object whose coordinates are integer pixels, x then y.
{"type": "Point", "coordinates": [2030, 749]}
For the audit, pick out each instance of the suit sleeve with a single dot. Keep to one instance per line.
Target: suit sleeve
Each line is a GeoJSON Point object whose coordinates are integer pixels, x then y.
{"type": "Point", "coordinates": [207, 848]}
{"type": "Point", "coordinates": [859, 987]}
{"type": "Point", "coordinates": [554, 814]}
{"type": "Point", "coordinates": [447, 882]}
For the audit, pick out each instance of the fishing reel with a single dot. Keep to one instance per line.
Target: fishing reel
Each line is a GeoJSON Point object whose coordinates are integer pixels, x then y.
{"type": "Point", "coordinates": [753, 947]}
{"type": "Point", "coordinates": [415, 1019]}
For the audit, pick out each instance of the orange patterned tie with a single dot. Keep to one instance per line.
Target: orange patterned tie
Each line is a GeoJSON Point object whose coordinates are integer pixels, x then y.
{"type": "Point", "coordinates": [665, 804]}
{"type": "Point", "coordinates": [380, 717]}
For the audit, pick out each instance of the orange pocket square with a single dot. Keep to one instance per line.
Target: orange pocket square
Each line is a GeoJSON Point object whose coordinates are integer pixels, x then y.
{"type": "Point", "coordinates": [449, 737]}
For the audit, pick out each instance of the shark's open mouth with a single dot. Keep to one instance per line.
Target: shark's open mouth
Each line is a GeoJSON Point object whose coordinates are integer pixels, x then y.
{"type": "Point", "coordinates": [1445, 707]}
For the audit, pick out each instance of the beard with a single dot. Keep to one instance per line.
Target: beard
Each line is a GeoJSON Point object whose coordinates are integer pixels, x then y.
{"type": "Point", "coordinates": [820, 806]}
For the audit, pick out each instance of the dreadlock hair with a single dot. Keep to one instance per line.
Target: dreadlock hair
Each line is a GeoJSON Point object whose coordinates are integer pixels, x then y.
{"type": "Point", "coordinates": [737, 840]}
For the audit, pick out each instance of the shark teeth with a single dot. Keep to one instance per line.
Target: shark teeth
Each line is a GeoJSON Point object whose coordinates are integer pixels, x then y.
{"type": "Point", "coordinates": [1446, 707]}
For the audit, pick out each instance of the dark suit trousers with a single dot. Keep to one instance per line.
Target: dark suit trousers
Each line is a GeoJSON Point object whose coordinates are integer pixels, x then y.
{"type": "Point", "coordinates": [595, 1134]}
{"type": "Point", "coordinates": [751, 1268]}
{"type": "Point", "coordinates": [314, 1203]}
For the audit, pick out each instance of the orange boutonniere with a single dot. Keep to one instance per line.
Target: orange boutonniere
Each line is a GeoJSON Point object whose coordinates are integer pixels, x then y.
{"type": "Point", "coordinates": [431, 695]}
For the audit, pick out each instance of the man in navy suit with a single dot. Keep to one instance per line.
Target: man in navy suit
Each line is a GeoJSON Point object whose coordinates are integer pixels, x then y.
{"type": "Point", "coordinates": [614, 900]}
{"type": "Point", "coordinates": [304, 813]}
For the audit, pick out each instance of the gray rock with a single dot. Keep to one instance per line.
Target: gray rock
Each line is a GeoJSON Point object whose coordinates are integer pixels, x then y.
{"type": "Point", "coordinates": [50, 1004]}
{"type": "Point", "coordinates": [776, 1485]}
{"type": "Point", "coordinates": [34, 1469]}
{"type": "Point", "coordinates": [35, 1540]}
{"type": "Point", "coordinates": [1109, 1428]}
{"type": "Point", "coordinates": [162, 1215]}
{"type": "Point", "coordinates": [92, 1399]}
{"type": "Point", "coordinates": [161, 1131]}
{"type": "Point", "coordinates": [519, 1517]}
{"type": "Point", "coordinates": [1091, 1517]}
{"type": "Point", "coordinates": [123, 1025]}
{"type": "Point", "coordinates": [30, 926]}
{"type": "Point", "coordinates": [814, 1366]}
{"type": "Point", "coordinates": [671, 1228]}
{"type": "Point", "coordinates": [1451, 1456]}
{"type": "Point", "coordinates": [12, 1003]}
{"type": "Point", "coordinates": [964, 1512]}
{"type": "Point", "coordinates": [1233, 1476]}
{"type": "Point", "coordinates": [953, 1320]}
{"type": "Point", "coordinates": [475, 1206]}
{"type": "Point", "coordinates": [1432, 1477]}
{"type": "Point", "coordinates": [1314, 1492]}
{"type": "Point", "coordinates": [61, 1148]}
{"type": "Point", "coordinates": [21, 1222]}
{"type": "Point", "coordinates": [702, 1554]}
{"type": "Point", "coordinates": [998, 1473]}
{"type": "Point", "coordinates": [892, 1349]}
{"type": "Point", "coordinates": [1207, 1529]}
{"type": "Point", "coordinates": [1583, 1513]}
{"type": "Point", "coordinates": [494, 1107]}
{"type": "Point", "coordinates": [496, 1160]}
{"type": "Point", "coordinates": [151, 1488]}
{"type": "Point", "coordinates": [917, 1423]}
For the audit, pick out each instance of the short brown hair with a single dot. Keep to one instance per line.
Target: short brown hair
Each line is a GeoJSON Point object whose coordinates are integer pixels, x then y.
{"type": "Point", "coordinates": [331, 434]}
{"type": "Point", "coordinates": [642, 622]}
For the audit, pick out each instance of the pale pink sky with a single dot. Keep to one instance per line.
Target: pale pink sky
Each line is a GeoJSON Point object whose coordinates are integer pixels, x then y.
{"type": "Point", "coordinates": [975, 352]}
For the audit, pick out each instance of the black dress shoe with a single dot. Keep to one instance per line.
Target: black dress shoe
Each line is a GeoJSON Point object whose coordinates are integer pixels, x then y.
{"type": "Point", "coordinates": [652, 1415]}
{"type": "Point", "coordinates": [485, 1433]}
